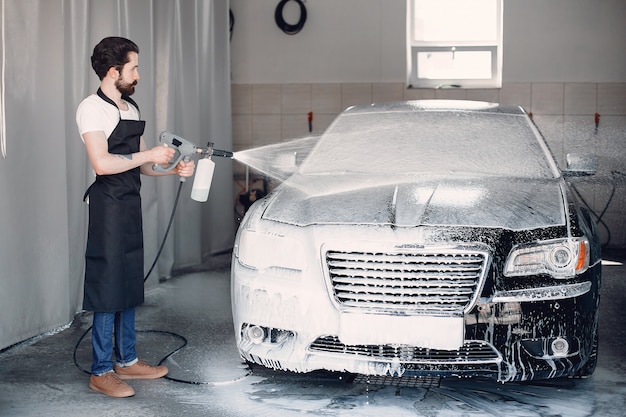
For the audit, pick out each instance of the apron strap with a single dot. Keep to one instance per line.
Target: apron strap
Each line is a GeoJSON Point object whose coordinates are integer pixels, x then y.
{"type": "Point", "coordinates": [124, 97]}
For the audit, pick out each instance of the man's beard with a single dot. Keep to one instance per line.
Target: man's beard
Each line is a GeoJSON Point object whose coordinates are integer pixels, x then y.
{"type": "Point", "coordinates": [125, 88]}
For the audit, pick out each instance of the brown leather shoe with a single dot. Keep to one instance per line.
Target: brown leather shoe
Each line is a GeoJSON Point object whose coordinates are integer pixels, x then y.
{"type": "Point", "coordinates": [110, 384]}
{"type": "Point", "coordinates": [140, 370]}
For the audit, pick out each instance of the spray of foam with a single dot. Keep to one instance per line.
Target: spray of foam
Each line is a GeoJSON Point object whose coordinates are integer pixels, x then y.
{"type": "Point", "coordinates": [278, 161]}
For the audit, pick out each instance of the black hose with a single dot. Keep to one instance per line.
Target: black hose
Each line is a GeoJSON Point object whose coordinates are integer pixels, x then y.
{"type": "Point", "coordinates": [167, 231]}
{"type": "Point", "coordinates": [283, 25]}
{"type": "Point", "coordinates": [231, 26]}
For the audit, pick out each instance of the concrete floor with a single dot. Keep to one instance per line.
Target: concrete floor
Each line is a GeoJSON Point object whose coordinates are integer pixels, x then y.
{"type": "Point", "coordinates": [207, 378]}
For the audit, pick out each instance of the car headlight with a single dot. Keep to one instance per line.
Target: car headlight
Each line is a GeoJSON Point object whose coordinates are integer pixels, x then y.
{"type": "Point", "coordinates": [561, 258]}
{"type": "Point", "coordinates": [260, 250]}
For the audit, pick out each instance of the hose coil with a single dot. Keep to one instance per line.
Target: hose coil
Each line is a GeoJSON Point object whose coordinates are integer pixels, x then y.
{"type": "Point", "coordinates": [283, 25]}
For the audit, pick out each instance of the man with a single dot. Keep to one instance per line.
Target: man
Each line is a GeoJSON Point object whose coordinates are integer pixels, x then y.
{"type": "Point", "coordinates": [110, 126]}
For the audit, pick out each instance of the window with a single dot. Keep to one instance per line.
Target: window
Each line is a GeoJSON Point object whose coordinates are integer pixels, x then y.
{"type": "Point", "coordinates": [454, 43]}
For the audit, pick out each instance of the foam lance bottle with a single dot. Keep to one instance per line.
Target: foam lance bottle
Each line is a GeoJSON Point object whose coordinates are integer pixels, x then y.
{"type": "Point", "coordinates": [202, 180]}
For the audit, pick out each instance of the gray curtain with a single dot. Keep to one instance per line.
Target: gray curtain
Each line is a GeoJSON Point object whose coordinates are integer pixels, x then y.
{"type": "Point", "coordinates": [184, 88]}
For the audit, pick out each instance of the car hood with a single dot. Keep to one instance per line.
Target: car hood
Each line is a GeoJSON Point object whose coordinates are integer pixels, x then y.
{"type": "Point", "coordinates": [514, 204]}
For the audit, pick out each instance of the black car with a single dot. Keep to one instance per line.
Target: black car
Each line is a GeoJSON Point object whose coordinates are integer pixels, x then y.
{"type": "Point", "coordinates": [422, 238]}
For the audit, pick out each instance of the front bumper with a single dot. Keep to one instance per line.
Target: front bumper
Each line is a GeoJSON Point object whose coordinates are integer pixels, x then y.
{"type": "Point", "coordinates": [293, 325]}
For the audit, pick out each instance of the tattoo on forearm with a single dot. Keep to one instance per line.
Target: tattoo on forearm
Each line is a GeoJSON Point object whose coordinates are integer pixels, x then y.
{"type": "Point", "coordinates": [126, 156]}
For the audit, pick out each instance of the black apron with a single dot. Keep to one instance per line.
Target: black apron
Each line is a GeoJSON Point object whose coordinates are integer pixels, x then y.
{"type": "Point", "coordinates": [114, 261]}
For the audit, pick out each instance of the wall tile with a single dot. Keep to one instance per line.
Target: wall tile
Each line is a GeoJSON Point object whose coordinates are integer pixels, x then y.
{"type": "Point", "coordinates": [242, 131]}
{"type": "Point", "coordinates": [610, 147]}
{"type": "Point", "coordinates": [241, 98]}
{"type": "Point", "coordinates": [516, 94]}
{"type": "Point", "coordinates": [580, 98]}
{"type": "Point", "coordinates": [418, 94]}
{"type": "Point", "coordinates": [488, 95]}
{"type": "Point", "coordinates": [612, 98]}
{"type": "Point", "coordinates": [552, 129]}
{"type": "Point", "coordinates": [386, 92]}
{"type": "Point", "coordinates": [547, 98]}
{"type": "Point", "coordinates": [266, 99]}
{"type": "Point", "coordinates": [294, 126]}
{"type": "Point", "coordinates": [355, 94]}
{"type": "Point", "coordinates": [451, 94]}
{"type": "Point", "coordinates": [326, 99]}
{"type": "Point", "coordinates": [321, 122]}
{"type": "Point", "coordinates": [266, 129]}
{"type": "Point", "coordinates": [296, 98]}
{"type": "Point", "coordinates": [613, 129]}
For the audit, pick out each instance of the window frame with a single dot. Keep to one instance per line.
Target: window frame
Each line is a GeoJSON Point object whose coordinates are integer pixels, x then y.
{"type": "Point", "coordinates": [414, 47]}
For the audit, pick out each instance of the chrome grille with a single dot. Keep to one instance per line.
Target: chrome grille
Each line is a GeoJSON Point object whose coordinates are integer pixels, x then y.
{"type": "Point", "coordinates": [470, 352]}
{"type": "Point", "coordinates": [430, 282]}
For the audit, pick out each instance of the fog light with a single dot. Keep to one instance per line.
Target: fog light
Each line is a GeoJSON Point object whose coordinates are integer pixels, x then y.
{"type": "Point", "coordinates": [256, 334]}
{"type": "Point", "coordinates": [560, 347]}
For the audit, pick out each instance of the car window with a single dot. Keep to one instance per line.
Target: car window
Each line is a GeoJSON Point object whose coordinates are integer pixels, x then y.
{"type": "Point", "coordinates": [430, 142]}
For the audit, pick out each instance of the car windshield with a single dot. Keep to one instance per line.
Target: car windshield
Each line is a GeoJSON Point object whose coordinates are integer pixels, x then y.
{"type": "Point", "coordinates": [440, 143]}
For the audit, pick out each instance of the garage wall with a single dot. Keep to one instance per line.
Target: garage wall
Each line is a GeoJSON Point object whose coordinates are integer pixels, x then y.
{"type": "Point", "coordinates": [363, 41]}
{"type": "Point", "coordinates": [561, 62]}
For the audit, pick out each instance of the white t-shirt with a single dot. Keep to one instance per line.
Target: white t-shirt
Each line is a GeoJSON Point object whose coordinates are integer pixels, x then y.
{"type": "Point", "coordinates": [96, 115]}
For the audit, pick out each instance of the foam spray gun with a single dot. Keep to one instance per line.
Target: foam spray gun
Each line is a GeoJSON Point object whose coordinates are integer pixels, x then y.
{"type": "Point", "coordinates": [185, 150]}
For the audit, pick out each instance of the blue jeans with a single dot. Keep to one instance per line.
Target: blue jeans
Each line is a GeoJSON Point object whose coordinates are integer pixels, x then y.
{"type": "Point", "coordinates": [120, 324]}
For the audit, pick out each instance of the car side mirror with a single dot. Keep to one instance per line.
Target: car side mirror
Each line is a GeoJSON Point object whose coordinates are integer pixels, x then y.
{"type": "Point", "coordinates": [580, 165]}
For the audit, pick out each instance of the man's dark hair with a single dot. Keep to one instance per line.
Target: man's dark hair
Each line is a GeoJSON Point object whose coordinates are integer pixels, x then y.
{"type": "Point", "coordinates": [111, 52]}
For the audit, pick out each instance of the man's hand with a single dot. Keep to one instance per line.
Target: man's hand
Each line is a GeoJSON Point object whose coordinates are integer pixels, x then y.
{"type": "Point", "coordinates": [185, 169]}
{"type": "Point", "coordinates": [161, 155]}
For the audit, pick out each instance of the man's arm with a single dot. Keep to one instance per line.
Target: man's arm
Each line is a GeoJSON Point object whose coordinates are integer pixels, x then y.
{"type": "Point", "coordinates": [105, 163]}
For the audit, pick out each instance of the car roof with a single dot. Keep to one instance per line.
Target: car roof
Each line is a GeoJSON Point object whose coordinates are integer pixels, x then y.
{"type": "Point", "coordinates": [438, 105]}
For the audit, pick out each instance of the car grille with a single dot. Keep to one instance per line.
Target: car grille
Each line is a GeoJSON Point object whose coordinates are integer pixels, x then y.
{"type": "Point", "coordinates": [470, 352]}
{"type": "Point", "coordinates": [440, 282]}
